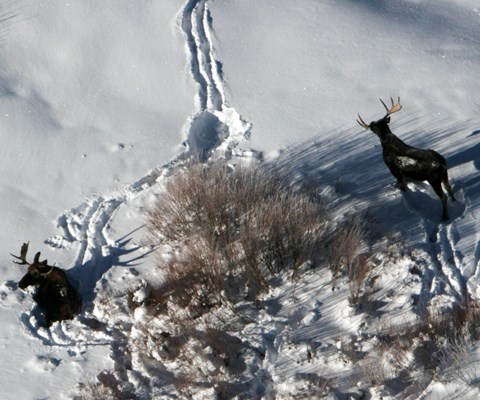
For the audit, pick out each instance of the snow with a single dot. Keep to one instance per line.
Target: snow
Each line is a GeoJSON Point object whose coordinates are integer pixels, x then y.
{"type": "Point", "coordinates": [101, 101]}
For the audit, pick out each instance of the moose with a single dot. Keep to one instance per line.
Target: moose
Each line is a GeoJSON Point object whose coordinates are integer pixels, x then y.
{"type": "Point", "coordinates": [405, 161]}
{"type": "Point", "coordinates": [55, 295]}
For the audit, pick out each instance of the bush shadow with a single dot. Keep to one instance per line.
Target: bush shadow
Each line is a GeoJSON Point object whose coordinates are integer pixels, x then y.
{"type": "Point", "coordinates": [84, 277]}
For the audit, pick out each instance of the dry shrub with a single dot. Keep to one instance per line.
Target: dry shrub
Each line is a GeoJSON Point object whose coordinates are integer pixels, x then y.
{"type": "Point", "coordinates": [462, 321]}
{"type": "Point", "coordinates": [360, 283]}
{"type": "Point", "coordinates": [315, 387]}
{"type": "Point", "coordinates": [211, 359]}
{"type": "Point", "coordinates": [210, 201]}
{"type": "Point", "coordinates": [398, 340]}
{"type": "Point", "coordinates": [235, 229]}
{"type": "Point", "coordinates": [226, 348]}
{"type": "Point", "coordinates": [457, 363]}
{"type": "Point", "coordinates": [441, 342]}
{"type": "Point", "coordinates": [346, 259]}
{"type": "Point", "coordinates": [291, 229]}
{"type": "Point", "coordinates": [96, 389]}
{"type": "Point", "coordinates": [344, 249]}
{"type": "Point", "coordinates": [374, 369]}
{"type": "Point", "coordinates": [466, 318]}
{"type": "Point", "coordinates": [195, 278]}
{"type": "Point", "coordinates": [389, 362]}
{"type": "Point", "coordinates": [230, 231]}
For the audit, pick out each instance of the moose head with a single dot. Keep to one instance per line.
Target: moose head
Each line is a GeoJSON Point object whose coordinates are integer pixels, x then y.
{"type": "Point", "coordinates": [54, 295]}
{"type": "Point", "coordinates": [407, 162]}
{"type": "Point", "coordinates": [380, 127]}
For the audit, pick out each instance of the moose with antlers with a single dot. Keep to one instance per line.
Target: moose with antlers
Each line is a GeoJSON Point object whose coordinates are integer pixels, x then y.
{"type": "Point", "coordinates": [405, 161]}
{"type": "Point", "coordinates": [54, 294]}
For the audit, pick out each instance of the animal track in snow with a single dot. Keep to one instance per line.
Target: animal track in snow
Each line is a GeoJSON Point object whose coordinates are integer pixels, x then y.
{"type": "Point", "coordinates": [215, 124]}
{"type": "Point", "coordinates": [214, 130]}
{"type": "Point", "coordinates": [197, 25]}
{"type": "Point", "coordinates": [444, 275]}
{"type": "Point", "coordinates": [87, 225]}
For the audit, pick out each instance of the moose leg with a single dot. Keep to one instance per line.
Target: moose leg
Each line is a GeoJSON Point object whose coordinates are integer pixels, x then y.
{"type": "Point", "coordinates": [400, 179]}
{"type": "Point", "coordinates": [48, 319]}
{"type": "Point", "coordinates": [401, 185]}
{"type": "Point", "coordinates": [447, 186]}
{"type": "Point", "coordinates": [395, 171]}
{"type": "Point", "coordinates": [437, 186]}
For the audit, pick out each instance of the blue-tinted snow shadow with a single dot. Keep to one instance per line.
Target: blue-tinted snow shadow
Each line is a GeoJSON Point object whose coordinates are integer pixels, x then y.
{"type": "Point", "coordinates": [84, 277]}
{"type": "Point", "coordinates": [418, 199]}
{"type": "Point", "coordinates": [466, 155]}
{"type": "Point", "coordinates": [205, 133]}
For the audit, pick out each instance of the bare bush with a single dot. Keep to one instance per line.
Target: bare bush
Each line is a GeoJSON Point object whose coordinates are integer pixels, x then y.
{"type": "Point", "coordinates": [461, 321]}
{"type": "Point", "coordinates": [374, 369]}
{"type": "Point", "coordinates": [210, 201]}
{"type": "Point", "coordinates": [94, 389]}
{"type": "Point", "coordinates": [291, 230]}
{"type": "Point", "coordinates": [230, 230]}
{"type": "Point", "coordinates": [344, 249]}
{"type": "Point", "coordinates": [466, 318]}
{"type": "Point", "coordinates": [346, 259]}
{"type": "Point", "coordinates": [235, 228]}
{"type": "Point", "coordinates": [442, 344]}
{"type": "Point", "coordinates": [314, 387]}
{"type": "Point", "coordinates": [360, 284]}
{"type": "Point", "coordinates": [457, 363]}
{"type": "Point", "coordinates": [398, 340]}
{"type": "Point", "coordinates": [195, 278]}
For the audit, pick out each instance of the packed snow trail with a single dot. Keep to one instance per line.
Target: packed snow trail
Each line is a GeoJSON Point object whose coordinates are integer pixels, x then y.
{"type": "Point", "coordinates": [196, 24]}
{"type": "Point", "coordinates": [215, 124]}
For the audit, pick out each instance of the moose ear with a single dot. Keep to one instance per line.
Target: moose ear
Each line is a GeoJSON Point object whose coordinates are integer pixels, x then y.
{"type": "Point", "coordinates": [387, 120]}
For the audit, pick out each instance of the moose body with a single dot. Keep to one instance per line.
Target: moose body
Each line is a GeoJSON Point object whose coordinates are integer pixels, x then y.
{"type": "Point", "coordinates": [408, 162]}
{"type": "Point", "coordinates": [54, 294]}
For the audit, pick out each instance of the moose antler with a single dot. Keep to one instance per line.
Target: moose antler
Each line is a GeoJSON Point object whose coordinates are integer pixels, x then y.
{"type": "Point", "coordinates": [23, 257]}
{"type": "Point", "coordinates": [361, 122]}
{"type": "Point", "coordinates": [394, 108]}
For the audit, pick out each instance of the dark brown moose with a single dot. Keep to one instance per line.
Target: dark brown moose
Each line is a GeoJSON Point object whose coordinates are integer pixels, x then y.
{"type": "Point", "coordinates": [405, 161]}
{"type": "Point", "coordinates": [54, 294]}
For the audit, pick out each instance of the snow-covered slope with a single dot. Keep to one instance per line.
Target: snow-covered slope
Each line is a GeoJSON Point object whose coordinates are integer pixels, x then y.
{"type": "Point", "coordinates": [93, 96]}
{"type": "Point", "coordinates": [102, 101]}
{"type": "Point", "coordinates": [309, 69]}
{"type": "Point", "coordinates": [298, 69]}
